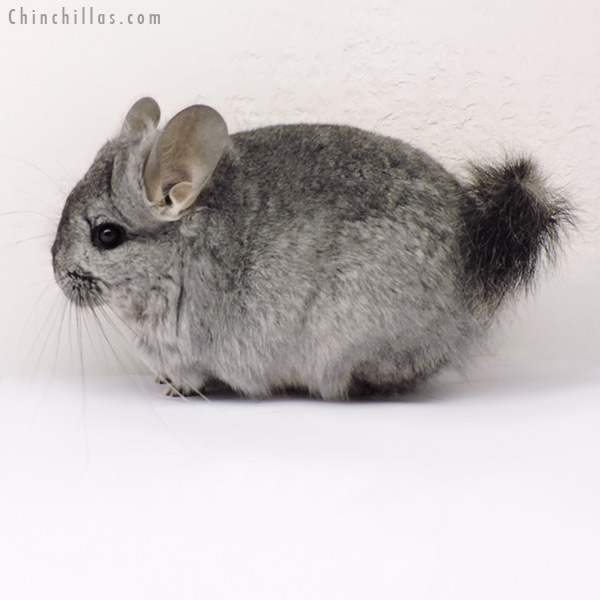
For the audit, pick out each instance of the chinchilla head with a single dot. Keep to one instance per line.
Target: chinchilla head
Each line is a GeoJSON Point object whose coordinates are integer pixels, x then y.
{"type": "Point", "coordinates": [119, 235]}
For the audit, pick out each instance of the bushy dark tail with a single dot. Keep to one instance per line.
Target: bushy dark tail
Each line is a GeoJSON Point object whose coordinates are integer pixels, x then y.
{"type": "Point", "coordinates": [512, 222]}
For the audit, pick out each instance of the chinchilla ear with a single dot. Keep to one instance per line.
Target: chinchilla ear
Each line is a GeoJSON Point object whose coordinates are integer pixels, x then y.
{"type": "Point", "coordinates": [143, 116]}
{"type": "Point", "coordinates": [182, 160]}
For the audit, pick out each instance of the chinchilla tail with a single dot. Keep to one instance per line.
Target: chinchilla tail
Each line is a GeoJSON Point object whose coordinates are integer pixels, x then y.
{"type": "Point", "coordinates": [512, 223]}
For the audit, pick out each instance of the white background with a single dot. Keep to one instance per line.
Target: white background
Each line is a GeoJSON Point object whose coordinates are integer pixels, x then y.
{"type": "Point", "coordinates": [109, 490]}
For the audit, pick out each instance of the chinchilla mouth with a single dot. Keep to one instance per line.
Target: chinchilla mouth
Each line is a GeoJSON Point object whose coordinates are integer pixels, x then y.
{"type": "Point", "coordinates": [82, 289]}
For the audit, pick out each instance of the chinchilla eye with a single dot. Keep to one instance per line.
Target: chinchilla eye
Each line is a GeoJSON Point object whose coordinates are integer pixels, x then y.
{"type": "Point", "coordinates": [108, 236]}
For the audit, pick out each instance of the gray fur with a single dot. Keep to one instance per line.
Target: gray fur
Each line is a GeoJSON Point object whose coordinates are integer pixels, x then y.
{"type": "Point", "coordinates": [318, 257]}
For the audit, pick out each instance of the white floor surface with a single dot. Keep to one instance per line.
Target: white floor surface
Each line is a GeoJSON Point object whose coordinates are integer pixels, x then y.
{"type": "Point", "coordinates": [483, 487]}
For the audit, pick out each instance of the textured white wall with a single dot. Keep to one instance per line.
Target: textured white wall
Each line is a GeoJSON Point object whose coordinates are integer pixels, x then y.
{"type": "Point", "coordinates": [463, 80]}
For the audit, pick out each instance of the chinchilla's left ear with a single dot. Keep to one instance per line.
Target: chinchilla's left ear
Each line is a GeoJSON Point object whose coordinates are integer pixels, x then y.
{"type": "Point", "coordinates": [182, 160]}
{"type": "Point", "coordinates": [143, 116]}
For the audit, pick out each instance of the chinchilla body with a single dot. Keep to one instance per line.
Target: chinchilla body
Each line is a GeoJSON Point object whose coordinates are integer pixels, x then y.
{"type": "Point", "coordinates": [317, 257]}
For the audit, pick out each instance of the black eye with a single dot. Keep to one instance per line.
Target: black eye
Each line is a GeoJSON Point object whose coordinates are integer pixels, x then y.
{"type": "Point", "coordinates": [108, 236]}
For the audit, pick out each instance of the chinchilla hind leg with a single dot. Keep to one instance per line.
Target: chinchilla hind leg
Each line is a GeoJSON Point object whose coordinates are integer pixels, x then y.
{"type": "Point", "coordinates": [393, 374]}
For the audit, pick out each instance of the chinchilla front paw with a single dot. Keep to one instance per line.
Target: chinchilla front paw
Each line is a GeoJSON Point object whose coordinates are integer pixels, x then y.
{"type": "Point", "coordinates": [183, 390]}
{"type": "Point", "coordinates": [190, 384]}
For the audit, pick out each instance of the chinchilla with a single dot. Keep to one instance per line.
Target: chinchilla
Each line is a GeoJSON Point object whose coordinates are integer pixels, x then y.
{"type": "Point", "coordinates": [318, 257]}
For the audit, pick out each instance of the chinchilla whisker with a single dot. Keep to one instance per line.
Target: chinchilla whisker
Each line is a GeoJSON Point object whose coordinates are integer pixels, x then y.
{"type": "Point", "coordinates": [70, 179]}
{"type": "Point", "coordinates": [48, 283]}
{"type": "Point", "coordinates": [34, 307]}
{"type": "Point", "coordinates": [70, 310]}
{"type": "Point", "coordinates": [88, 323]}
{"type": "Point", "coordinates": [27, 240]}
{"type": "Point", "coordinates": [94, 313]}
{"type": "Point", "coordinates": [87, 336]}
{"type": "Point", "coordinates": [126, 342]}
{"type": "Point", "coordinates": [45, 330]}
{"type": "Point", "coordinates": [59, 317]}
{"type": "Point", "coordinates": [26, 162]}
{"type": "Point", "coordinates": [80, 339]}
{"type": "Point", "coordinates": [170, 386]}
{"type": "Point", "coordinates": [138, 379]}
{"type": "Point", "coordinates": [29, 212]}
{"type": "Point", "coordinates": [123, 362]}
{"type": "Point", "coordinates": [128, 363]}
{"type": "Point", "coordinates": [83, 423]}
{"type": "Point", "coordinates": [79, 343]}
{"type": "Point", "coordinates": [98, 324]}
{"type": "Point", "coordinates": [61, 324]}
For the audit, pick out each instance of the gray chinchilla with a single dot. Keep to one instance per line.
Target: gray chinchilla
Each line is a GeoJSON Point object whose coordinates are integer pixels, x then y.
{"type": "Point", "coordinates": [318, 257]}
